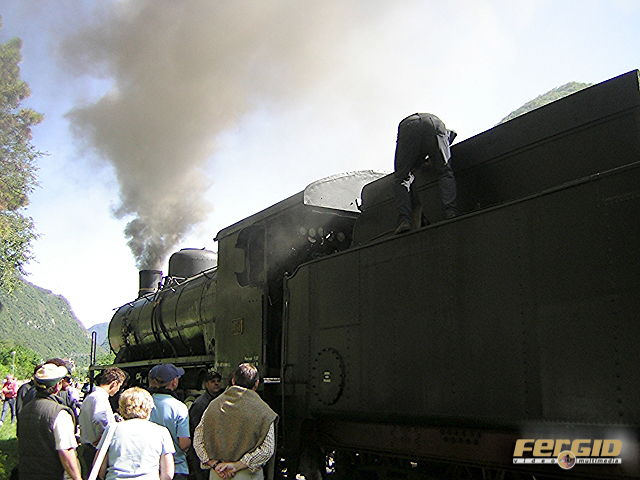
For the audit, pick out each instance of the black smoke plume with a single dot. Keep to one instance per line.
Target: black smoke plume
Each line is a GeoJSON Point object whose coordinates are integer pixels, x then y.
{"type": "Point", "coordinates": [181, 73]}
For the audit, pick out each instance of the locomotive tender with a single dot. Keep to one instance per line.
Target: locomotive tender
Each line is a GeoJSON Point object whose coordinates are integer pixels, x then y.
{"type": "Point", "coordinates": [431, 353]}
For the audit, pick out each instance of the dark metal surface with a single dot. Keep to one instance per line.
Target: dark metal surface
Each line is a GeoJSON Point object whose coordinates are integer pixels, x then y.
{"type": "Point", "coordinates": [532, 320]}
{"type": "Point", "coordinates": [149, 281]}
{"type": "Point", "coordinates": [168, 323]}
{"type": "Point", "coordinates": [590, 131]}
{"type": "Point", "coordinates": [189, 262]}
{"type": "Point", "coordinates": [520, 317]}
{"type": "Point", "coordinates": [463, 323]}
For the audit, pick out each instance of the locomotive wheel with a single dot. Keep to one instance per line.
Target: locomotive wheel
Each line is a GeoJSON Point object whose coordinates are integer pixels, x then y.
{"type": "Point", "coordinates": [312, 463]}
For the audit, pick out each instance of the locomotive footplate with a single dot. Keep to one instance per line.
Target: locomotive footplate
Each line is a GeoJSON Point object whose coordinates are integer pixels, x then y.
{"type": "Point", "coordinates": [485, 449]}
{"type": "Point", "coordinates": [421, 442]}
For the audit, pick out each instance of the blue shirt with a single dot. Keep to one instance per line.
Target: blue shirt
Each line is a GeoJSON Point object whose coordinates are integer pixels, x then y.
{"type": "Point", "coordinates": [173, 414]}
{"type": "Point", "coordinates": [135, 450]}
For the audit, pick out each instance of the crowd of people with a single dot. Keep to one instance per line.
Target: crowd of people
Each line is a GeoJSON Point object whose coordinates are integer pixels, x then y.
{"type": "Point", "coordinates": [116, 432]}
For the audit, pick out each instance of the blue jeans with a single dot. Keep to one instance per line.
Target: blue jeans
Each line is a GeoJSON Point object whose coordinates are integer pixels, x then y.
{"type": "Point", "coordinates": [11, 403]}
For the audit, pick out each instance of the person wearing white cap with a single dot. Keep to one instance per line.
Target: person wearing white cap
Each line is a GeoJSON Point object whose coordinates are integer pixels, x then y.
{"type": "Point", "coordinates": [46, 431]}
{"type": "Point", "coordinates": [171, 412]}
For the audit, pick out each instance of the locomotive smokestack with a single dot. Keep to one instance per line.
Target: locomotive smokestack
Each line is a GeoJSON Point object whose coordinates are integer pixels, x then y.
{"type": "Point", "coordinates": [149, 281]}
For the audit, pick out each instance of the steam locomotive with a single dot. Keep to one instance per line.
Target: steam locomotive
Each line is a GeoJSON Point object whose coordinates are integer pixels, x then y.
{"type": "Point", "coordinates": [435, 353]}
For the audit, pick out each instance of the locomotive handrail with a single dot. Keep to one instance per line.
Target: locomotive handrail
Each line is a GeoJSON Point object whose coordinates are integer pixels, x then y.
{"type": "Point", "coordinates": [197, 360]}
{"type": "Point", "coordinates": [283, 351]}
{"type": "Point", "coordinates": [159, 327]}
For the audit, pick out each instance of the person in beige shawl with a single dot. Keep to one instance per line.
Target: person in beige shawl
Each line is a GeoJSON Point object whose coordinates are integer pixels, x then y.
{"type": "Point", "coordinates": [236, 436]}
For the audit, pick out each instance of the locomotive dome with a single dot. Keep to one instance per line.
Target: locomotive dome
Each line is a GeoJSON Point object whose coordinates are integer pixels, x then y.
{"type": "Point", "coordinates": [189, 262]}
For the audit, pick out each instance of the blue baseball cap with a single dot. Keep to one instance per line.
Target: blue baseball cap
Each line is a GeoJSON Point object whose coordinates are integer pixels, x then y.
{"type": "Point", "coordinates": [165, 372]}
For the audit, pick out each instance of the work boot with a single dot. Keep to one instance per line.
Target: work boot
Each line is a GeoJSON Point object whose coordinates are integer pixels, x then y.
{"type": "Point", "coordinates": [404, 226]}
{"type": "Point", "coordinates": [449, 214]}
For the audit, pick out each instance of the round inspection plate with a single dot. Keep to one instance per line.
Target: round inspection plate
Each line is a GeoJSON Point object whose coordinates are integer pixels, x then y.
{"type": "Point", "coordinates": [327, 376]}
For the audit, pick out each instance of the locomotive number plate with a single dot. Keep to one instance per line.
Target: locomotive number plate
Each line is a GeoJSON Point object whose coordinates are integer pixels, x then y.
{"type": "Point", "coordinates": [236, 326]}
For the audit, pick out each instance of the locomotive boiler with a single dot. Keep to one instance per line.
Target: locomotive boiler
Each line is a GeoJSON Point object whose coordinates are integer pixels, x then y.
{"type": "Point", "coordinates": [435, 353]}
{"type": "Point", "coordinates": [218, 310]}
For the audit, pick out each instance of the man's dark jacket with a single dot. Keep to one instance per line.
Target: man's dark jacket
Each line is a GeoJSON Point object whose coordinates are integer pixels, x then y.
{"type": "Point", "coordinates": [38, 457]}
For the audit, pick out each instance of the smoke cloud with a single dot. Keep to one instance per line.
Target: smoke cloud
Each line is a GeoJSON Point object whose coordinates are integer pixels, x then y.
{"type": "Point", "coordinates": [182, 73]}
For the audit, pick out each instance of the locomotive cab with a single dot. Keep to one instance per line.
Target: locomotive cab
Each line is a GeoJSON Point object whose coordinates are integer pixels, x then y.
{"type": "Point", "coordinates": [256, 253]}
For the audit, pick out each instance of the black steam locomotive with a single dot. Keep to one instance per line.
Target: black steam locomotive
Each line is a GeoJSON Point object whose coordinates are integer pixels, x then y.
{"type": "Point", "coordinates": [435, 353]}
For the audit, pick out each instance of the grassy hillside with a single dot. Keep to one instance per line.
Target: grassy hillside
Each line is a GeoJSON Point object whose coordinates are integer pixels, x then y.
{"type": "Point", "coordinates": [36, 319]}
{"type": "Point", "coordinates": [551, 96]}
{"type": "Point", "coordinates": [102, 332]}
{"type": "Point", "coordinates": [43, 322]}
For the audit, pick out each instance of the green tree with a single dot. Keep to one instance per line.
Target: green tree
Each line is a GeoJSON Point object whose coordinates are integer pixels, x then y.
{"type": "Point", "coordinates": [17, 359]}
{"type": "Point", "coordinates": [108, 359]}
{"type": "Point", "coordinates": [17, 166]}
{"type": "Point", "coordinates": [551, 96]}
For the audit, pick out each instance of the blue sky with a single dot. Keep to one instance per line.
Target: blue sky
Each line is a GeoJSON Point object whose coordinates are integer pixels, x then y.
{"type": "Point", "coordinates": [229, 107]}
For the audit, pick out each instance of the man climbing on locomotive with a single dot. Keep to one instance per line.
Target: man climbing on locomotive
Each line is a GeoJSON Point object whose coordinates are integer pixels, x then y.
{"type": "Point", "coordinates": [422, 136]}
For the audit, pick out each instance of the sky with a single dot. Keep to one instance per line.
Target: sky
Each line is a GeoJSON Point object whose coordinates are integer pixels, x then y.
{"type": "Point", "coordinates": [167, 121]}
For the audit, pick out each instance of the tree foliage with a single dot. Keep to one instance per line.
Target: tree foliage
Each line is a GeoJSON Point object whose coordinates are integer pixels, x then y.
{"type": "Point", "coordinates": [34, 317]}
{"type": "Point", "coordinates": [541, 100]}
{"type": "Point", "coordinates": [18, 360]}
{"type": "Point", "coordinates": [108, 359]}
{"type": "Point", "coordinates": [17, 166]}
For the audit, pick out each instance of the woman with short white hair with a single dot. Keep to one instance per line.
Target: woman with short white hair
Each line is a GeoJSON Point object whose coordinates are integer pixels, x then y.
{"type": "Point", "coordinates": [139, 448]}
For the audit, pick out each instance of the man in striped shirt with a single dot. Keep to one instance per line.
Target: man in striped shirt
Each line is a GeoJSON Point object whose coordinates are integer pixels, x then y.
{"type": "Point", "coordinates": [236, 435]}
